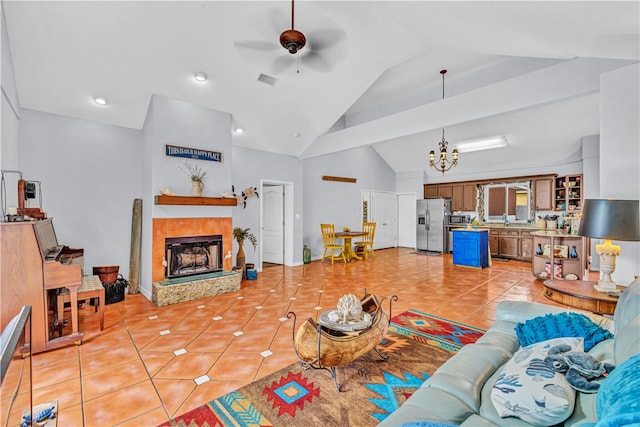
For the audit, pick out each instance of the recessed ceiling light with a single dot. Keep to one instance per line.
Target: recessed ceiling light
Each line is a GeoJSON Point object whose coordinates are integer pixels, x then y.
{"type": "Point", "coordinates": [200, 77]}
{"type": "Point", "coordinates": [239, 130]}
{"type": "Point", "coordinates": [482, 144]}
{"type": "Point", "coordinates": [100, 100]}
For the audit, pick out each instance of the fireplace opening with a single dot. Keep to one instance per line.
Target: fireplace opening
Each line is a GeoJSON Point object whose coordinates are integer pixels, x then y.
{"type": "Point", "coordinates": [186, 256]}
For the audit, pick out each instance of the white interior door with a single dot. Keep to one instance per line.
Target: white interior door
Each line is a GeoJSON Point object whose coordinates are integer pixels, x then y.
{"type": "Point", "coordinates": [384, 212]}
{"type": "Point", "coordinates": [273, 224]}
{"type": "Point", "coordinates": [407, 220]}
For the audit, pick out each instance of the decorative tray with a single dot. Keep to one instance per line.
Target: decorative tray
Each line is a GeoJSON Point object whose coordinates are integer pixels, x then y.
{"type": "Point", "coordinates": [344, 327]}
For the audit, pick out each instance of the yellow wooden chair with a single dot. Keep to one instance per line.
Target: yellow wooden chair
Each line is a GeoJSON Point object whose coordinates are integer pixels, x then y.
{"type": "Point", "coordinates": [367, 241]}
{"type": "Point", "coordinates": [330, 243]}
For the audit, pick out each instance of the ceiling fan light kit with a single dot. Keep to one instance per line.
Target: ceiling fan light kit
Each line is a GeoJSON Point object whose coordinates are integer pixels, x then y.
{"type": "Point", "coordinates": [292, 40]}
{"type": "Point", "coordinates": [443, 164]}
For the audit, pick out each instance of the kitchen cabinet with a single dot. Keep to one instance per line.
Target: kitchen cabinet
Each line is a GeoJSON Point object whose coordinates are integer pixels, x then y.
{"type": "Point", "coordinates": [543, 193]}
{"type": "Point", "coordinates": [463, 197]}
{"type": "Point", "coordinates": [445, 191]}
{"type": "Point", "coordinates": [558, 254]}
{"type": "Point", "coordinates": [514, 243]}
{"type": "Point", "coordinates": [526, 244]}
{"type": "Point", "coordinates": [457, 198]}
{"type": "Point", "coordinates": [568, 193]}
{"type": "Point", "coordinates": [509, 246]}
{"type": "Point", "coordinates": [494, 242]}
{"type": "Point", "coordinates": [430, 191]}
{"type": "Point", "coordinates": [469, 197]}
{"type": "Point", "coordinates": [471, 248]}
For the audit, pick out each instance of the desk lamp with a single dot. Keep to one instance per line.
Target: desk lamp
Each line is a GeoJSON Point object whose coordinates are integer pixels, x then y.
{"type": "Point", "coordinates": [609, 220]}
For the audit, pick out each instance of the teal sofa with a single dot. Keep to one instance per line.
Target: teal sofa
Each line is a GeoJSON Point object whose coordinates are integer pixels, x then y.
{"type": "Point", "coordinates": [459, 392]}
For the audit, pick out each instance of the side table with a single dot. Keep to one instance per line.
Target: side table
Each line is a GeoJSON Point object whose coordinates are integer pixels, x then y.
{"type": "Point", "coordinates": [580, 294]}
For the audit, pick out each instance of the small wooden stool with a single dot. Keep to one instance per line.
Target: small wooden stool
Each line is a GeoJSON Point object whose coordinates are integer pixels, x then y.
{"type": "Point", "coordinates": [91, 288]}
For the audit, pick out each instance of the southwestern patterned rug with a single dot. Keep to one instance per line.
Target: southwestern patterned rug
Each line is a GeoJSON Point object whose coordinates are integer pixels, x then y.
{"type": "Point", "coordinates": [371, 387]}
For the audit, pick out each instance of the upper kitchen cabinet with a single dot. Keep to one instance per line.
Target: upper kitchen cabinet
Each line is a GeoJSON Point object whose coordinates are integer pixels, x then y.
{"type": "Point", "coordinates": [463, 197]}
{"type": "Point", "coordinates": [543, 193]}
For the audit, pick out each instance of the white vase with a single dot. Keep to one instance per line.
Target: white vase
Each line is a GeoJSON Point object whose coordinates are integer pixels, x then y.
{"type": "Point", "coordinates": [196, 188]}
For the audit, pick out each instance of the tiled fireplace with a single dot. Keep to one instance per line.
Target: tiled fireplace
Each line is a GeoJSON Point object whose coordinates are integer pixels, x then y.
{"type": "Point", "coordinates": [205, 241]}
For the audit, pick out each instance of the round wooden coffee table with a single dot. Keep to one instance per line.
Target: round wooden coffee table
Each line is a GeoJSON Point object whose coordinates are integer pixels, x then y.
{"type": "Point", "coordinates": [580, 294]}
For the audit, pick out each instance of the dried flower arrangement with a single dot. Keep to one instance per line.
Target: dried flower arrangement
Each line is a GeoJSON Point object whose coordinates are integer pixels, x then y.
{"type": "Point", "coordinates": [195, 172]}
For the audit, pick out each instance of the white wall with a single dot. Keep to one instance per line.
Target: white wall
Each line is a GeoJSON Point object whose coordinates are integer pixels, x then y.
{"type": "Point", "coordinates": [411, 182]}
{"type": "Point", "coordinates": [252, 166]}
{"type": "Point", "coordinates": [620, 153]}
{"type": "Point", "coordinates": [339, 202]}
{"type": "Point", "coordinates": [90, 174]}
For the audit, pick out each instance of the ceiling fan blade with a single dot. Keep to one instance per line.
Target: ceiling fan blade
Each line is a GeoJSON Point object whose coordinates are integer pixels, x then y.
{"type": "Point", "coordinates": [316, 62]}
{"type": "Point", "coordinates": [260, 45]}
{"type": "Point", "coordinates": [327, 38]}
{"type": "Point", "coordinates": [282, 63]}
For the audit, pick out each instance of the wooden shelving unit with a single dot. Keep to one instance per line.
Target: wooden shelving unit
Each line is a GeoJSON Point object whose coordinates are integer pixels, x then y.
{"type": "Point", "coordinates": [575, 266]}
{"type": "Point", "coordinates": [195, 201]}
{"type": "Point", "coordinates": [568, 193]}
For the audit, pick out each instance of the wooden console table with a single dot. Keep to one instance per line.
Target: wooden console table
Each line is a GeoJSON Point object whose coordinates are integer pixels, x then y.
{"type": "Point", "coordinates": [580, 294]}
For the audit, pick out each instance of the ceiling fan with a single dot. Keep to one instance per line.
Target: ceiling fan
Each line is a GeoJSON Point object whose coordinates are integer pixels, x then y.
{"type": "Point", "coordinates": [320, 51]}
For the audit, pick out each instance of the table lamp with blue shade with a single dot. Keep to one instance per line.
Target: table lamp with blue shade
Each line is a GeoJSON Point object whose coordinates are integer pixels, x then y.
{"type": "Point", "coordinates": [609, 220]}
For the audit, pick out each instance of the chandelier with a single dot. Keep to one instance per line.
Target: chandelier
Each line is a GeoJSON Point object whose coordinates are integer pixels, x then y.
{"type": "Point", "coordinates": [443, 164]}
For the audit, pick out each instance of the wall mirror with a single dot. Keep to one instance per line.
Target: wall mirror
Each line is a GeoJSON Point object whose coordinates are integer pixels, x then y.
{"type": "Point", "coordinates": [510, 199]}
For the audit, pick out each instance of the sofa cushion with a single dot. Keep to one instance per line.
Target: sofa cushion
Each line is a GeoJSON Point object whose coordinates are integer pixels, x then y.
{"type": "Point", "coordinates": [428, 403]}
{"type": "Point", "coordinates": [528, 389]}
{"type": "Point", "coordinates": [501, 335]}
{"type": "Point", "coordinates": [628, 305]}
{"type": "Point", "coordinates": [464, 375]}
{"type": "Point", "coordinates": [559, 325]}
{"type": "Point", "coordinates": [627, 342]}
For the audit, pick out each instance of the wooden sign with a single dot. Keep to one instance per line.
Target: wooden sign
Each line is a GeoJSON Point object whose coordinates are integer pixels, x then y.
{"type": "Point", "coordinates": [193, 153]}
{"type": "Point", "coordinates": [339, 179]}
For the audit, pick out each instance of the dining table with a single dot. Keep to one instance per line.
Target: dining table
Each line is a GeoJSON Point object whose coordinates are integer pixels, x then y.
{"type": "Point", "coordinates": [349, 253]}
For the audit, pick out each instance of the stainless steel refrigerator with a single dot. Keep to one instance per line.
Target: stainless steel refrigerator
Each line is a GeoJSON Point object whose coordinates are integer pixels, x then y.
{"type": "Point", "coordinates": [433, 216]}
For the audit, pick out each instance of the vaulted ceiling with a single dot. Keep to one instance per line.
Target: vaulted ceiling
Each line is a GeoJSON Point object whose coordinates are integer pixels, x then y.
{"type": "Point", "coordinates": [369, 75]}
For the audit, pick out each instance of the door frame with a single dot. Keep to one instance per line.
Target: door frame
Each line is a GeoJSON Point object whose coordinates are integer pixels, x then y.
{"type": "Point", "coordinates": [288, 219]}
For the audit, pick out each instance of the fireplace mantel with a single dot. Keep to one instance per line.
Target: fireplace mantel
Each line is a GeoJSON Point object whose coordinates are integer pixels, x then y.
{"type": "Point", "coordinates": [196, 201]}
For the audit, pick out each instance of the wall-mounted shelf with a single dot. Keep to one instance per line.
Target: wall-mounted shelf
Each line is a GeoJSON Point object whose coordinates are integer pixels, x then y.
{"type": "Point", "coordinates": [196, 201]}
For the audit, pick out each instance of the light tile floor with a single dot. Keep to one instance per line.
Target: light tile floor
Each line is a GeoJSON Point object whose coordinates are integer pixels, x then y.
{"type": "Point", "coordinates": [152, 363]}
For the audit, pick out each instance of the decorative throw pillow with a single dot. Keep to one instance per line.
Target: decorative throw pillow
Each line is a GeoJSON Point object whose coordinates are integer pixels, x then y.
{"type": "Point", "coordinates": [618, 400]}
{"type": "Point", "coordinates": [559, 325]}
{"type": "Point", "coordinates": [530, 390]}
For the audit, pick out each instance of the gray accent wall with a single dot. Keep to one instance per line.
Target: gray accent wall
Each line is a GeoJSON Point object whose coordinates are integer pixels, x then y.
{"type": "Point", "coordinates": [252, 166]}
{"type": "Point", "coordinates": [90, 174]}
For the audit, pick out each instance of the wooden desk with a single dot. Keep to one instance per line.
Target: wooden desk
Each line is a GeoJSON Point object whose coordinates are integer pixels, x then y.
{"type": "Point", "coordinates": [580, 294]}
{"type": "Point", "coordinates": [348, 249]}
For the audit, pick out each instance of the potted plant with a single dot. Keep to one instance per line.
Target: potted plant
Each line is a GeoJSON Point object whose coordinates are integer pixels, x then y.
{"type": "Point", "coordinates": [240, 235]}
{"type": "Point", "coordinates": [197, 176]}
